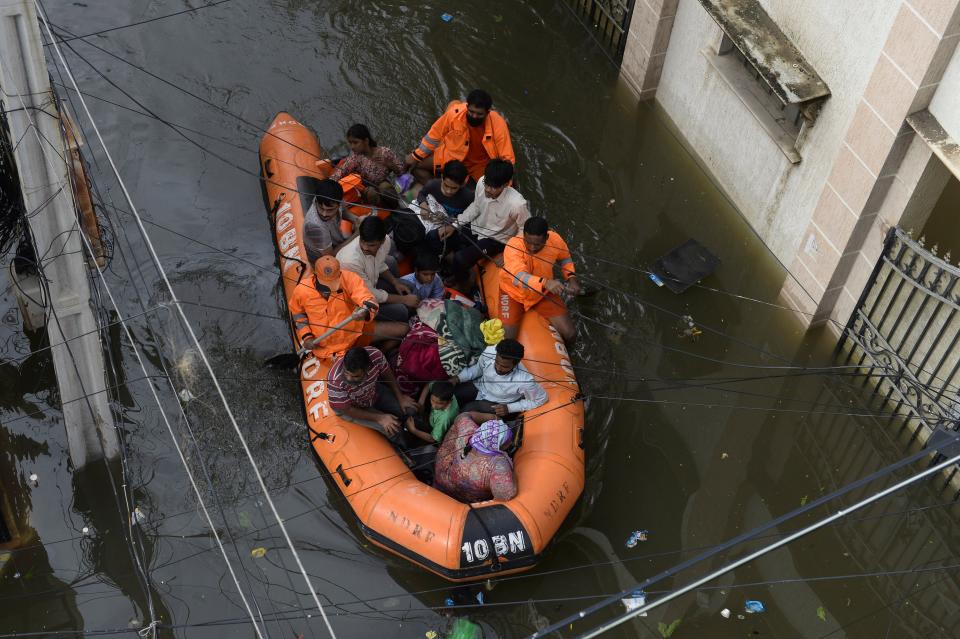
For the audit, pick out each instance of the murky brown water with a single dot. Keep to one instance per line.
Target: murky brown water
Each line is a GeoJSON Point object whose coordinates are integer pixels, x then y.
{"type": "Point", "coordinates": [694, 464]}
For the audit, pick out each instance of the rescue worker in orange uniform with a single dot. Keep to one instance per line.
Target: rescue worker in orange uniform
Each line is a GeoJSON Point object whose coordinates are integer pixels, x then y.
{"type": "Point", "coordinates": [470, 131]}
{"type": "Point", "coordinates": [527, 279]}
{"type": "Point", "coordinates": [330, 298]}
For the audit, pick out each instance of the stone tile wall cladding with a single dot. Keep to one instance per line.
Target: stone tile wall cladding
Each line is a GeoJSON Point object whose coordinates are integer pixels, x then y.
{"type": "Point", "coordinates": [879, 166]}
{"type": "Point", "coordinates": [647, 43]}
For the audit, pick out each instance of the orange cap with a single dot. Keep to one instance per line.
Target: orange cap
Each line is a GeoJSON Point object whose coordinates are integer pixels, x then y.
{"type": "Point", "coordinates": [327, 271]}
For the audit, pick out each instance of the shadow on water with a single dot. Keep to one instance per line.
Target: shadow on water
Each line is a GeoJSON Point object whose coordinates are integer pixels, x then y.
{"type": "Point", "coordinates": [120, 553]}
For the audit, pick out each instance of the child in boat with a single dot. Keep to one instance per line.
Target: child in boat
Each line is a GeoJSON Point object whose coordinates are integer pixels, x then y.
{"type": "Point", "coordinates": [374, 163]}
{"type": "Point", "coordinates": [425, 281]}
{"type": "Point", "coordinates": [439, 407]}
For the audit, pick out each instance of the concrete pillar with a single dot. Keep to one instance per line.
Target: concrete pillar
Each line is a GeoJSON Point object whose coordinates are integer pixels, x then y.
{"type": "Point", "coordinates": [72, 327]}
{"type": "Point", "coordinates": [878, 160]}
{"type": "Point", "coordinates": [647, 41]}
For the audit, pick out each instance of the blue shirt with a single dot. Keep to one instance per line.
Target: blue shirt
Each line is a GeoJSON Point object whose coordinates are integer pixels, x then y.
{"type": "Point", "coordinates": [431, 290]}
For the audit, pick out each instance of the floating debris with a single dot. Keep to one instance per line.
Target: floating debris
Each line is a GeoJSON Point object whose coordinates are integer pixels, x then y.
{"type": "Point", "coordinates": [611, 202]}
{"type": "Point", "coordinates": [656, 280]}
{"type": "Point", "coordinates": [446, 17]}
{"type": "Point", "coordinates": [137, 516]}
{"type": "Point", "coordinates": [636, 537]}
{"type": "Point", "coordinates": [725, 613]}
{"type": "Point", "coordinates": [34, 480]}
{"type": "Point", "coordinates": [822, 613]}
{"type": "Point", "coordinates": [258, 552]}
{"type": "Point", "coordinates": [752, 606]}
{"type": "Point", "coordinates": [636, 599]}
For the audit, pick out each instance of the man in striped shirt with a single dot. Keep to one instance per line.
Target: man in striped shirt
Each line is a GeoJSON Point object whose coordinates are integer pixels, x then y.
{"type": "Point", "coordinates": [363, 389]}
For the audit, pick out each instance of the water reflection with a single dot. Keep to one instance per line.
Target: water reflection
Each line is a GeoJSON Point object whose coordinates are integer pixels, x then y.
{"type": "Point", "coordinates": [692, 475]}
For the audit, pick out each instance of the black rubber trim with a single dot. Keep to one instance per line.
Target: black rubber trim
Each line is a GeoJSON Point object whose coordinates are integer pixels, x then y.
{"type": "Point", "coordinates": [450, 573]}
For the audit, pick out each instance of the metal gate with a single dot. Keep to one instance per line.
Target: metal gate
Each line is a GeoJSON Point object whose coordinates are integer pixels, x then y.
{"type": "Point", "coordinates": [905, 330]}
{"type": "Point", "coordinates": [607, 21]}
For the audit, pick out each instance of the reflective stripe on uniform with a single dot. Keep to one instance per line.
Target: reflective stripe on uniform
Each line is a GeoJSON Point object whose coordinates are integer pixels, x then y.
{"type": "Point", "coordinates": [430, 140]}
{"type": "Point", "coordinates": [522, 276]}
{"type": "Point", "coordinates": [423, 147]}
{"type": "Point", "coordinates": [565, 261]}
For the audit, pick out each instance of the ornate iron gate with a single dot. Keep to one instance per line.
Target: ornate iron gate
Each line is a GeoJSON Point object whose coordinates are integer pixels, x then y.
{"type": "Point", "coordinates": [607, 21]}
{"type": "Point", "coordinates": [905, 330]}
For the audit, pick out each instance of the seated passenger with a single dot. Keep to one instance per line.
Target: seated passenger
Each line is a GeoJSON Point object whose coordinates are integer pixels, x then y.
{"type": "Point", "coordinates": [471, 463]}
{"type": "Point", "coordinates": [330, 297]}
{"type": "Point", "coordinates": [469, 131]}
{"type": "Point", "coordinates": [362, 389]}
{"type": "Point", "coordinates": [425, 281]}
{"type": "Point", "coordinates": [321, 222]}
{"type": "Point", "coordinates": [374, 164]}
{"type": "Point", "coordinates": [366, 255]}
{"type": "Point", "coordinates": [503, 385]}
{"type": "Point", "coordinates": [497, 214]}
{"type": "Point", "coordinates": [452, 194]}
{"type": "Point", "coordinates": [438, 408]}
{"type": "Point", "coordinates": [527, 280]}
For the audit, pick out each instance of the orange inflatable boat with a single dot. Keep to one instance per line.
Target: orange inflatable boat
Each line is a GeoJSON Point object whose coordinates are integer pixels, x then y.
{"type": "Point", "coordinates": [396, 511]}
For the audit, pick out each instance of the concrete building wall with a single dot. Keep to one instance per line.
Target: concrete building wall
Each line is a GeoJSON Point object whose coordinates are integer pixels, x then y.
{"type": "Point", "coordinates": [841, 40]}
{"type": "Point", "coordinates": [945, 105]}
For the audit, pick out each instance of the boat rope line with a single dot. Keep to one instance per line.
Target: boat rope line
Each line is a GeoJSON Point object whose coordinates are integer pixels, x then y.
{"type": "Point", "coordinates": [174, 300]}
{"type": "Point", "coordinates": [148, 20]}
{"type": "Point", "coordinates": [757, 530]}
{"type": "Point", "coordinates": [603, 627]}
{"type": "Point", "coordinates": [124, 506]}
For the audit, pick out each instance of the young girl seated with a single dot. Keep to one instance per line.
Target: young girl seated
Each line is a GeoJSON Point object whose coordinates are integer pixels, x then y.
{"type": "Point", "coordinates": [439, 407]}
{"type": "Point", "coordinates": [374, 164]}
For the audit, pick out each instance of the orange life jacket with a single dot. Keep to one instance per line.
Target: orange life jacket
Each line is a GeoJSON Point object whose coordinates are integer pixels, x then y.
{"type": "Point", "coordinates": [524, 274]}
{"type": "Point", "coordinates": [449, 137]}
{"type": "Point", "coordinates": [313, 316]}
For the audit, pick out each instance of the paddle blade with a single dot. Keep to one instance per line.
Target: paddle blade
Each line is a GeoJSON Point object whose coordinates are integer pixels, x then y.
{"type": "Point", "coordinates": [283, 360]}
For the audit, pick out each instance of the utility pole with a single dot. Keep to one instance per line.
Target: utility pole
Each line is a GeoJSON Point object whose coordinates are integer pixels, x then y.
{"type": "Point", "coordinates": [47, 193]}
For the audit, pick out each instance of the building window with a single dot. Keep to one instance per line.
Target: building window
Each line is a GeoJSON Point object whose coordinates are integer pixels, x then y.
{"type": "Point", "coordinates": [766, 72]}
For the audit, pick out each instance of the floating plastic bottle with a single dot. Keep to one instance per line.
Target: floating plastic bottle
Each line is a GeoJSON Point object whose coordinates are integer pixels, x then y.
{"type": "Point", "coordinates": [656, 280]}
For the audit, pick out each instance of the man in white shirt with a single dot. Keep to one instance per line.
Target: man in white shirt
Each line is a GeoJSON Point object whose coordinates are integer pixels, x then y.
{"type": "Point", "coordinates": [503, 386]}
{"type": "Point", "coordinates": [497, 213]}
{"type": "Point", "coordinates": [366, 255]}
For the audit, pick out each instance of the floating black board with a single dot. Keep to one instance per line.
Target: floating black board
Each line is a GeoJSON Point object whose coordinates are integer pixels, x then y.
{"type": "Point", "coordinates": [685, 265]}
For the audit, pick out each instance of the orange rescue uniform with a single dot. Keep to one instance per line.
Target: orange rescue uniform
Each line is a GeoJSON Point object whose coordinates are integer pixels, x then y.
{"type": "Point", "coordinates": [313, 315]}
{"type": "Point", "coordinates": [449, 139]}
{"type": "Point", "coordinates": [524, 275]}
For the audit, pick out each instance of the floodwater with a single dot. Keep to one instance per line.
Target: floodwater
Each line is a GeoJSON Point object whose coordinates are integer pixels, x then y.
{"type": "Point", "coordinates": [669, 449]}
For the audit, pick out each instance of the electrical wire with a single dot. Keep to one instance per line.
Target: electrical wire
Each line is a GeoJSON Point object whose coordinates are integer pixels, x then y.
{"type": "Point", "coordinates": [187, 325]}
{"type": "Point", "coordinates": [147, 21]}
